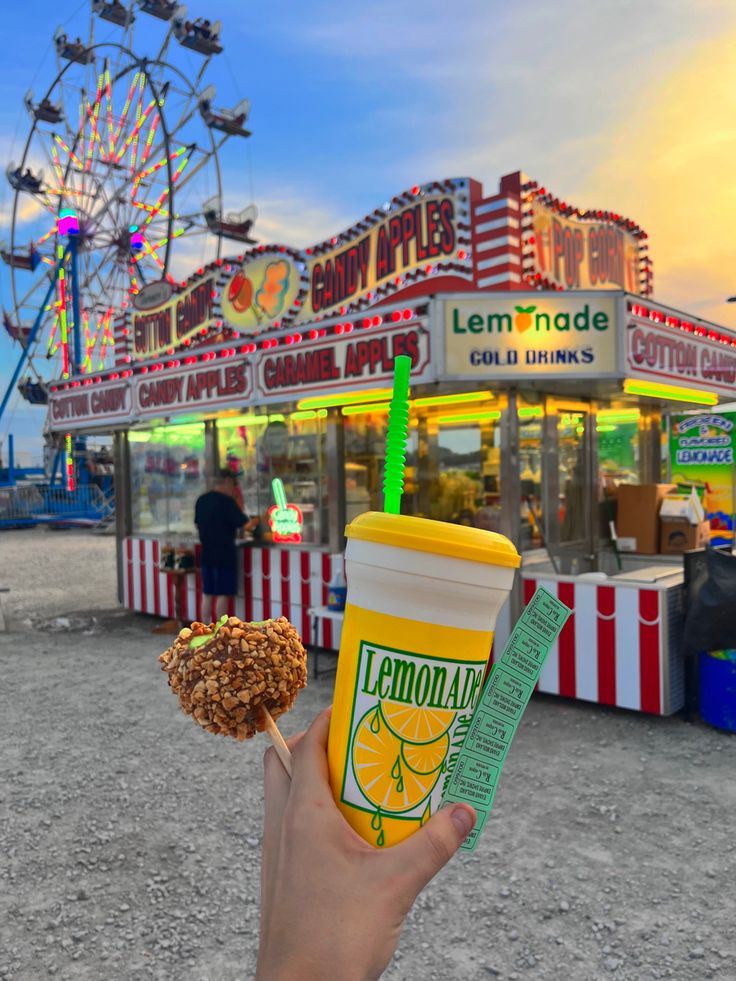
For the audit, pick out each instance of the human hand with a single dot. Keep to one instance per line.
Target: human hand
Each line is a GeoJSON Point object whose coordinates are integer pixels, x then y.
{"type": "Point", "coordinates": [332, 906]}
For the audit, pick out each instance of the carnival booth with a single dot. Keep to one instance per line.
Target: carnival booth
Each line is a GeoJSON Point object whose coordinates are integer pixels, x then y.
{"type": "Point", "coordinates": [542, 377]}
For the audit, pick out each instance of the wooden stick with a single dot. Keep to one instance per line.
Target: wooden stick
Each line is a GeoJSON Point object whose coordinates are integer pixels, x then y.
{"type": "Point", "coordinates": [279, 744]}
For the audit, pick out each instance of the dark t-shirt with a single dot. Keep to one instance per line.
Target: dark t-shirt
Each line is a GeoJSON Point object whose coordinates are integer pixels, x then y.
{"type": "Point", "coordinates": [218, 517]}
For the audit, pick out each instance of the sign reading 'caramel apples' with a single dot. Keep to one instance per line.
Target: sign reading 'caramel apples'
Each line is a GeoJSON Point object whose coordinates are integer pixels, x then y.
{"type": "Point", "coordinates": [351, 361]}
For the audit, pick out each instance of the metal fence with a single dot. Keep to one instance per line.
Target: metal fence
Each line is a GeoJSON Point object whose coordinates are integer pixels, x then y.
{"type": "Point", "coordinates": [18, 505]}
{"type": "Point", "coordinates": [31, 504]}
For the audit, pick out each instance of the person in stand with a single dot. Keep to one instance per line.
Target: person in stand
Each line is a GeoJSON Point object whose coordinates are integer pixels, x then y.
{"type": "Point", "coordinates": [218, 519]}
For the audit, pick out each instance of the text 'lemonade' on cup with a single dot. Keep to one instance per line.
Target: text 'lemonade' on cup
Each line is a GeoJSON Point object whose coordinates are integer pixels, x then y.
{"type": "Point", "coordinates": [422, 602]}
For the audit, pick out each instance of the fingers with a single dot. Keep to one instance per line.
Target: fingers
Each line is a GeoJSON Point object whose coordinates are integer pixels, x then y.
{"type": "Point", "coordinates": [310, 757]}
{"type": "Point", "coordinates": [432, 847]}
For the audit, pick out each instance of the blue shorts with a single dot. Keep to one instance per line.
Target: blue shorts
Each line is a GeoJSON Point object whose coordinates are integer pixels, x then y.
{"type": "Point", "coordinates": [219, 582]}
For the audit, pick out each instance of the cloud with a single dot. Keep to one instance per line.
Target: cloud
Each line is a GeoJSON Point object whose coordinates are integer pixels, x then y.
{"type": "Point", "coordinates": [29, 209]}
{"type": "Point", "coordinates": [669, 163]}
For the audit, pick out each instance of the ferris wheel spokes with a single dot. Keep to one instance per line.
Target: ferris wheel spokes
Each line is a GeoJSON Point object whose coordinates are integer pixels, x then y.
{"type": "Point", "coordinates": [118, 142]}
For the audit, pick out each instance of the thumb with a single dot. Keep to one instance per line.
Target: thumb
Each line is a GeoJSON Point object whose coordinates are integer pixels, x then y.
{"type": "Point", "coordinates": [432, 847]}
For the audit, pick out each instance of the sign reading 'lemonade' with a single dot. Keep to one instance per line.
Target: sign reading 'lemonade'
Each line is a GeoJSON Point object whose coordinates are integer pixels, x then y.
{"type": "Point", "coordinates": [523, 334]}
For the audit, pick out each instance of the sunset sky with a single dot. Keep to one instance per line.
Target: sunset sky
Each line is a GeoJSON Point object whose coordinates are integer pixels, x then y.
{"type": "Point", "coordinates": [626, 105]}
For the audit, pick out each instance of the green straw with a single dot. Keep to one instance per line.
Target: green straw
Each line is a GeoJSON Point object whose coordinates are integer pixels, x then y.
{"type": "Point", "coordinates": [398, 425]}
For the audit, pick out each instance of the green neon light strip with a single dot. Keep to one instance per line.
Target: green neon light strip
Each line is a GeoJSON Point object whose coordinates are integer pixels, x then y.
{"type": "Point", "coordinates": [490, 415]}
{"type": "Point", "coordinates": [358, 410]}
{"type": "Point", "coordinates": [474, 778]}
{"type": "Point", "coordinates": [453, 399]}
{"type": "Point", "coordinates": [308, 414]}
{"type": "Point", "coordinates": [671, 392]}
{"type": "Point", "coordinates": [327, 402]}
{"type": "Point", "coordinates": [618, 415]}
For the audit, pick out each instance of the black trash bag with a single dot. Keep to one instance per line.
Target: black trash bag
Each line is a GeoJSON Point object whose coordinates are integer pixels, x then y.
{"type": "Point", "coordinates": [710, 621]}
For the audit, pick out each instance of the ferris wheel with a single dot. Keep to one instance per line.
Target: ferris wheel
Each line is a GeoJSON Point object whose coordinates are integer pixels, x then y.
{"type": "Point", "coordinates": [119, 177]}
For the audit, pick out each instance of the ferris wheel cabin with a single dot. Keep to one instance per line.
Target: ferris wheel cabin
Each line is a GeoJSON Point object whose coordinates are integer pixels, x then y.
{"type": "Point", "coordinates": [72, 50]}
{"type": "Point", "coordinates": [158, 8]}
{"type": "Point", "coordinates": [235, 225]}
{"type": "Point", "coordinates": [230, 121]}
{"type": "Point", "coordinates": [45, 111]}
{"type": "Point", "coordinates": [113, 11]}
{"type": "Point", "coordinates": [24, 180]}
{"type": "Point", "coordinates": [199, 34]}
{"type": "Point", "coordinates": [19, 260]}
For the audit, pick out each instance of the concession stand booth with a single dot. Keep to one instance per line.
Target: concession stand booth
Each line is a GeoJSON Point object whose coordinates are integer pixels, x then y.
{"type": "Point", "coordinates": [543, 375]}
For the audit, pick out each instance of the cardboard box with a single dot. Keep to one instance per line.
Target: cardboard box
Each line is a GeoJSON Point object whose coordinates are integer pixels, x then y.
{"type": "Point", "coordinates": [686, 506]}
{"type": "Point", "coordinates": [638, 515]}
{"type": "Point", "coordinates": [678, 535]}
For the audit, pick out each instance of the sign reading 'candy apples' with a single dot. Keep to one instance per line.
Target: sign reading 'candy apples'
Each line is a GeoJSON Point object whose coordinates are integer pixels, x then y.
{"type": "Point", "coordinates": [420, 233]}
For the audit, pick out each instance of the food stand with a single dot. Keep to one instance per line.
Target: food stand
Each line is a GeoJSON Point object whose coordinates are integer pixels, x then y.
{"type": "Point", "coordinates": [541, 374]}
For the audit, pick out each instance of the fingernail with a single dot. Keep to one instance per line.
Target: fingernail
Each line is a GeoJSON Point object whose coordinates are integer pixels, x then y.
{"type": "Point", "coordinates": [463, 818]}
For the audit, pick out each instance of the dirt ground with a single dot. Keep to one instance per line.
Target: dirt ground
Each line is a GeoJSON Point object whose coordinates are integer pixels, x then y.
{"type": "Point", "coordinates": [130, 839]}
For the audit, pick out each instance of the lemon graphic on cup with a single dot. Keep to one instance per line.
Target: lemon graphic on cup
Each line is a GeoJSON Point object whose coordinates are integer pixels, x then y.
{"type": "Point", "coordinates": [425, 758]}
{"type": "Point", "coordinates": [394, 775]}
{"type": "Point", "coordinates": [416, 723]}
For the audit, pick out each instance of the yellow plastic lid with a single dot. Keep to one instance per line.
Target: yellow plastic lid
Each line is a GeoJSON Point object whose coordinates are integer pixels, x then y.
{"type": "Point", "coordinates": [438, 537]}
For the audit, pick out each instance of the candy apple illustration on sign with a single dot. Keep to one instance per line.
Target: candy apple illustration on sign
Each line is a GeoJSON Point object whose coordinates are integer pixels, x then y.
{"type": "Point", "coordinates": [284, 520]}
{"type": "Point", "coordinates": [240, 292]}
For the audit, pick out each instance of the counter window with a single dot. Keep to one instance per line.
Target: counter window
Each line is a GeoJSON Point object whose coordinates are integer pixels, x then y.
{"type": "Point", "coordinates": [258, 447]}
{"type": "Point", "coordinates": [167, 466]}
{"type": "Point", "coordinates": [531, 420]}
{"type": "Point", "coordinates": [365, 449]}
{"type": "Point", "coordinates": [618, 447]}
{"type": "Point", "coordinates": [574, 480]}
{"type": "Point", "coordinates": [452, 460]}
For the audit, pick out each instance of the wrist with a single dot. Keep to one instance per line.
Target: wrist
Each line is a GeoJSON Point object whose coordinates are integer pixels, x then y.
{"type": "Point", "coordinates": [302, 967]}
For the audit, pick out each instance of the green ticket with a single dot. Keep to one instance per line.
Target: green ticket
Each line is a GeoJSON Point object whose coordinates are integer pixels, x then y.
{"type": "Point", "coordinates": [475, 774]}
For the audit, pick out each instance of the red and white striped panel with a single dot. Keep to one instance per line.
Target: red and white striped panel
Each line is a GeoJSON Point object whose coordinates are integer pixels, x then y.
{"type": "Point", "coordinates": [121, 335]}
{"type": "Point", "coordinates": [613, 650]}
{"type": "Point", "coordinates": [497, 242]}
{"type": "Point", "coordinates": [272, 582]}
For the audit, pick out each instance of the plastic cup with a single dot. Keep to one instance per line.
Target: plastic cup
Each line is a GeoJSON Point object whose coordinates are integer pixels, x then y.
{"type": "Point", "coordinates": [422, 602]}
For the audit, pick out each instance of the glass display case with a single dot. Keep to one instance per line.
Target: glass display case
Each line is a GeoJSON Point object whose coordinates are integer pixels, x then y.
{"type": "Point", "coordinates": [168, 473]}
{"type": "Point", "coordinates": [260, 446]}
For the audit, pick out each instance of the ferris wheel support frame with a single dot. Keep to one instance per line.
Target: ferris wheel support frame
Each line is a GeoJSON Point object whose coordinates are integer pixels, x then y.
{"type": "Point", "coordinates": [70, 250]}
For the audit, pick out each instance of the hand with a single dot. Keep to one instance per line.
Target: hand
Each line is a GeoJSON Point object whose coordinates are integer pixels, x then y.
{"type": "Point", "coordinates": [332, 906]}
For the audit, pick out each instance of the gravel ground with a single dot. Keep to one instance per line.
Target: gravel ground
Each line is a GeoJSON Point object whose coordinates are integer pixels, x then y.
{"type": "Point", "coordinates": [52, 573]}
{"type": "Point", "coordinates": [131, 839]}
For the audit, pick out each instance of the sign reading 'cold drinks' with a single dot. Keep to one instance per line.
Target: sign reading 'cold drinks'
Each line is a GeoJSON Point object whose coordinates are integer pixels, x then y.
{"type": "Point", "coordinates": [524, 334]}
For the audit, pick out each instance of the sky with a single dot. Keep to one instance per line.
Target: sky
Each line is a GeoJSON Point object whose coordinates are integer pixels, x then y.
{"type": "Point", "coordinates": [624, 105]}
